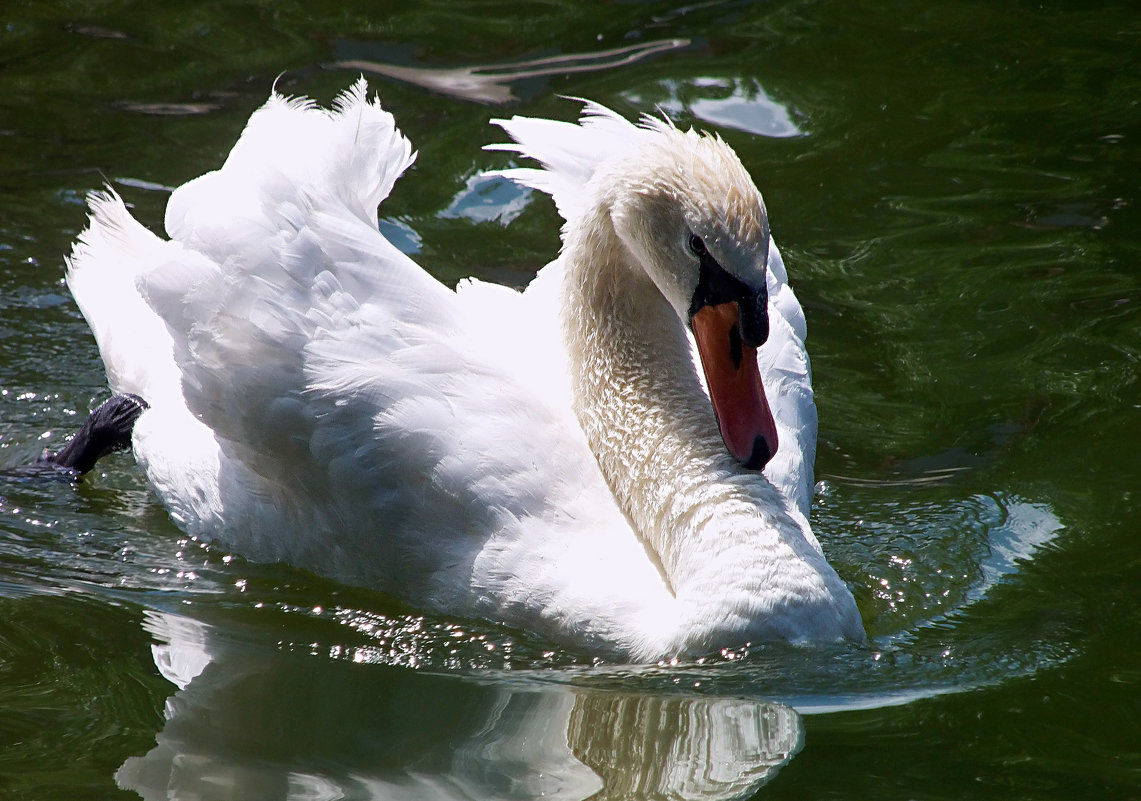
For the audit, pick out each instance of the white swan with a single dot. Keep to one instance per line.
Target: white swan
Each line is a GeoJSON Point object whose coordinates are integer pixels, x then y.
{"type": "Point", "coordinates": [549, 459]}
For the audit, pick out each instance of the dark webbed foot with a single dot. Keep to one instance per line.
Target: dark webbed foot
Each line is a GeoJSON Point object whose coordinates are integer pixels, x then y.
{"type": "Point", "coordinates": [107, 430]}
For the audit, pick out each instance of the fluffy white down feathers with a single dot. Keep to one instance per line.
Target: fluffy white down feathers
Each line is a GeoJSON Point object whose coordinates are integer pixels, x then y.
{"type": "Point", "coordinates": [317, 398]}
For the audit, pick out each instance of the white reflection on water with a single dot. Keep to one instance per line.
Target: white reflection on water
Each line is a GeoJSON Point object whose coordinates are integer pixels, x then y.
{"type": "Point", "coordinates": [1025, 528]}
{"type": "Point", "coordinates": [488, 197]}
{"type": "Point", "coordinates": [251, 721]}
{"type": "Point", "coordinates": [492, 83]}
{"type": "Point", "coordinates": [738, 103]}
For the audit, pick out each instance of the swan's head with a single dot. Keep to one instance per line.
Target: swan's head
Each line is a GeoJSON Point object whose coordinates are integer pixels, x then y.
{"type": "Point", "coordinates": [691, 216]}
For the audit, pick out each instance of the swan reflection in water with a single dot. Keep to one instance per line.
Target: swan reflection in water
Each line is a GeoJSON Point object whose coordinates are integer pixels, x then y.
{"type": "Point", "coordinates": [251, 721]}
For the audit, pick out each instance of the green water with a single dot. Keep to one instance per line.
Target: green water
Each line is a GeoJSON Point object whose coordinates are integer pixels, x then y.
{"type": "Point", "coordinates": [954, 186]}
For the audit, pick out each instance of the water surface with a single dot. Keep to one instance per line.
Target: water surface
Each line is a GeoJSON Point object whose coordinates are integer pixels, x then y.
{"type": "Point", "coordinates": [954, 188]}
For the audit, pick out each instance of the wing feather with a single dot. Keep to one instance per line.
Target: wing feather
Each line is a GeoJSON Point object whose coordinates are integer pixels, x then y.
{"type": "Point", "coordinates": [315, 377]}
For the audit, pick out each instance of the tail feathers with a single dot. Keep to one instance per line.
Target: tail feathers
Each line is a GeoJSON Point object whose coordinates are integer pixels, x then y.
{"type": "Point", "coordinates": [107, 264]}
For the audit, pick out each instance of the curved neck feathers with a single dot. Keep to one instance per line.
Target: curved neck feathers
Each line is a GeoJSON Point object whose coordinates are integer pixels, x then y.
{"type": "Point", "coordinates": [647, 419]}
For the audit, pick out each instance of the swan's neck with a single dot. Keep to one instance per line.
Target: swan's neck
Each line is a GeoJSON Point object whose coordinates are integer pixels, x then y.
{"type": "Point", "coordinates": [645, 415]}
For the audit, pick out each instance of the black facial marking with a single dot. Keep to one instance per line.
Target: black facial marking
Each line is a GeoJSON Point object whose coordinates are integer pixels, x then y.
{"type": "Point", "coordinates": [735, 350]}
{"type": "Point", "coordinates": [755, 318]}
{"type": "Point", "coordinates": [715, 285]}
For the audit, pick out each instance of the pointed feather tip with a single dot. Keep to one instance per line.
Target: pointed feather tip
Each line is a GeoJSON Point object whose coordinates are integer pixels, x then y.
{"type": "Point", "coordinates": [594, 113]}
{"type": "Point", "coordinates": [276, 99]}
{"type": "Point", "coordinates": [355, 95]}
{"type": "Point", "coordinates": [593, 116]}
{"type": "Point", "coordinates": [354, 106]}
{"type": "Point", "coordinates": [570, 153]}
{"type": "Point", "coordinates": [98, 200]}
{"type": "Point", "coordinates": [106, 220]}
{"type": "Point", "coordinates": [348, 99]}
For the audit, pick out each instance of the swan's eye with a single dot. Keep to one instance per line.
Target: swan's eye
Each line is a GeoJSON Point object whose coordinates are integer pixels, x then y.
{"type": "Point", "coordinates": [697, 245]}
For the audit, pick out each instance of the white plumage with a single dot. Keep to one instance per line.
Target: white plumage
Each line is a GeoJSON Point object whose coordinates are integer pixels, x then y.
{"type": "Point", "coordinates": [548, 459]}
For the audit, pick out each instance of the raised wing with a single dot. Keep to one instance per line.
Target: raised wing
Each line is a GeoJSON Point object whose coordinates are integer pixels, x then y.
{"type": "Point", "coordinates": [341, 387]}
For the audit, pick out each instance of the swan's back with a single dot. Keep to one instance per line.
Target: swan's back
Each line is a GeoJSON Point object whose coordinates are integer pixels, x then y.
{"type": "Point", "coordinates": [311, 377]}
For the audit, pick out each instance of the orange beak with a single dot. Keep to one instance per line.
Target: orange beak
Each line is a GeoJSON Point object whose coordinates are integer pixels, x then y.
{"type": "Point", "coordinates": [735, 387]}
